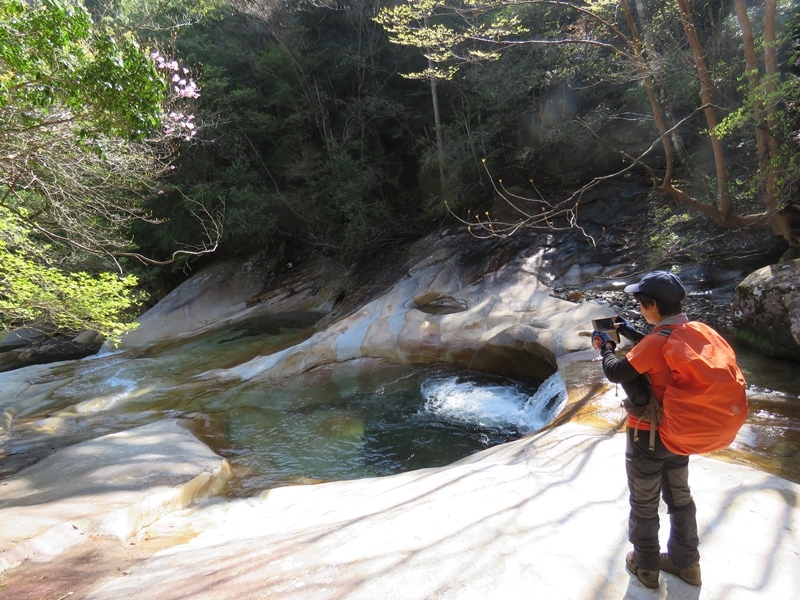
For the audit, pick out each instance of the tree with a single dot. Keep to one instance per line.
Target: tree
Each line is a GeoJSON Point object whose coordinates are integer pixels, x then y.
{"type": "Point", "coordinates": [82, 142]}
{"type": "Point", "coordinates": [477, 25]}
{"type": "Point", "coordinates": [32, 290]}
{"type": "Point", "coordinates": [420, 23]}
{"type": "Point", "coordinates": [313, 137]}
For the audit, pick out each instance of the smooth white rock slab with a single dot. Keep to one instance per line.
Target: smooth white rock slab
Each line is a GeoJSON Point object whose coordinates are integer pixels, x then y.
{"type": "Point", "coordinates": [390, 328]}
{"type": "Point", "coordinates": [543, 517]}
{"type": "Point", "coordinates": [112, 486]}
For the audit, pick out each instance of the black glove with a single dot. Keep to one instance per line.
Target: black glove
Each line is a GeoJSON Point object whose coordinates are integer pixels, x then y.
{"type": "Point", "coordinates": [627, 330]}
{"type": "Point", "coordinates": [600, 339]}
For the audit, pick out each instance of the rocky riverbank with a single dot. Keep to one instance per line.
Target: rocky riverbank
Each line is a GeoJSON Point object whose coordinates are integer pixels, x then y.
{"type": "Point", "coordinates": [501, 523]}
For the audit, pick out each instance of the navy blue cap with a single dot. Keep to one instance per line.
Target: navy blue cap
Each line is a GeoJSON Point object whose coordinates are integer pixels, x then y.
{"type": "Point", "coordinates": [659, 285]}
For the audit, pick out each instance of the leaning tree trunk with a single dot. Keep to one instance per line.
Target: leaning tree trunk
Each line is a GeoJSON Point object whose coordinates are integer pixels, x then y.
{"type": "Point", "coordinates": [651, 96]}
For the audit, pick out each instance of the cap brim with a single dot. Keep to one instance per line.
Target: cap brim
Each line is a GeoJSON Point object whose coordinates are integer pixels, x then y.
{"type": "Point", "coordinates": [632, 289]}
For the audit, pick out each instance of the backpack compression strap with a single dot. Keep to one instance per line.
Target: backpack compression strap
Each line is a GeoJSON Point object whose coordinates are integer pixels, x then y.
{"type": "Point", "coordinates": [653, 409]}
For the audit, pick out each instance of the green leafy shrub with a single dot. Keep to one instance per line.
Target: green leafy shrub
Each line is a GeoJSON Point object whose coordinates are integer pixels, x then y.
{"type": "Point", "coordinates": [34, 290]}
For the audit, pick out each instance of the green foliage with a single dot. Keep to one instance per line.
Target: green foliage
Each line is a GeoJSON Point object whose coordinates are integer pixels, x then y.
{"type": "Point", "coordinates": [82, 141]}
{"type": "Point", "coordinates": [772, 106]}
{"type": "Point", "coordinates": [311, 134]}
{"type": "Point", "coordinates": [443, 32]}
{"type": "Point", "coordinates": [34, 291]}
{"type": "Point", "coordinates": [339, 207]}
{"type": "Point", "coordinates": [52, 61]}
{"type": "Point", "coordinates": [665, 235]}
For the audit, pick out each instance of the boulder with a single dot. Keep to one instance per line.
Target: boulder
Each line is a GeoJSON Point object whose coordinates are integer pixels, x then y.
{"type": "Point", "coordinates": [90, 337]}
{"type": "Point", "coordinates": [48, 351]}
{"type": "Point", "coordinates": [766, 310]}
{"type": "Point", "coordinates": [234, 291]}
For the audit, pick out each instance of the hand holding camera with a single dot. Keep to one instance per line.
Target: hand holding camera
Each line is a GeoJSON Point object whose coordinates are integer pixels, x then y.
{"type": "Point", "coordinates": [605, 332]}
{"type": "Point", "coordinates": [615, 326]}
{"type": "Point", "coordinates": [627, 330]}
{"type": "Point", "coordinates": [600, 339]}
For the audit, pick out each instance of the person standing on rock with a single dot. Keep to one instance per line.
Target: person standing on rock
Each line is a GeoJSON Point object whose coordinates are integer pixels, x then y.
{"type": "Point", "coordinates": [656, 471]}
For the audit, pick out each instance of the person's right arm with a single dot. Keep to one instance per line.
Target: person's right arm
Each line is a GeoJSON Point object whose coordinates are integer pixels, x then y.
{"type": "Point", "coordinates": [627, 330]}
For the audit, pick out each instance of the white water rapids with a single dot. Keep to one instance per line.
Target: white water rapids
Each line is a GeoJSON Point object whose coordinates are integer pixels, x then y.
{"type": "Point", "coordinates": [497, 406]}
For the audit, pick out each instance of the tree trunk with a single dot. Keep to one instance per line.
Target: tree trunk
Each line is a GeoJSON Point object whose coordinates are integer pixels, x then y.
{"type": "Point", "coordinates": [437, 124]}
{"type": "Point", "coordinates": [753, 81]}
{"type": "Point", "coordinates": [654, 57]}
{"type": "Point", "coordinates": [778, 221]}
{"type": "Point", "coordinates": [771, 73]}
{"type": "Point", "coordinates": [723, 193]}
{"type": "Point", "coordinates": [651, 96]}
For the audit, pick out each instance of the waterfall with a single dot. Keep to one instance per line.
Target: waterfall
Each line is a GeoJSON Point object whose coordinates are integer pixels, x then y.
{"type": "Point", "coordinates": [504, 406]}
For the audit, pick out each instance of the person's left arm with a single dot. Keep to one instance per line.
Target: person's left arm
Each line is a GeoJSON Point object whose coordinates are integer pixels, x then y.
{"type": "Point", "coordinates": [617, 370]}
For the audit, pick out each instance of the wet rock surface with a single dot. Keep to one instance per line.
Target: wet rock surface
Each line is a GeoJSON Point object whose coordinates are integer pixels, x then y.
{"type": "Point", "coordinates": [47, 351]}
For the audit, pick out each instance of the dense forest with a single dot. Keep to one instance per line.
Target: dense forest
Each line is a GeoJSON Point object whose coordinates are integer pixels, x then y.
{"type": "Point", "coordinates": [140, 139]}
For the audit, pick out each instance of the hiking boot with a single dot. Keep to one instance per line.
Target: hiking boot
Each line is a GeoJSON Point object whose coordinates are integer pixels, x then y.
{"type": "Point", "coordinates": [648, 578]}
{"type": "Point", "coordinates": [690, 575]}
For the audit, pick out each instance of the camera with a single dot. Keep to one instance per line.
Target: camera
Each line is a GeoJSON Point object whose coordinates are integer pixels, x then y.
{"type": "Point", "coordinates": [607, 326]}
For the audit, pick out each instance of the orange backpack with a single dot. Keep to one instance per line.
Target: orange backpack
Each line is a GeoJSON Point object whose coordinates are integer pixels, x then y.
{"type": "Point", "coordinates": [705, 402]}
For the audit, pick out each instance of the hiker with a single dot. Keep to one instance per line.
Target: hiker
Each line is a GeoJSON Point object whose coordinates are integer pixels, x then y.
{"type": "Point", "coordinates": [658, 470]}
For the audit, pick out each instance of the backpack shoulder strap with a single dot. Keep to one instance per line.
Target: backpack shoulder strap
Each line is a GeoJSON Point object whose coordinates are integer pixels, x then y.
{"type": "Point", "coordinates": [665, 331]}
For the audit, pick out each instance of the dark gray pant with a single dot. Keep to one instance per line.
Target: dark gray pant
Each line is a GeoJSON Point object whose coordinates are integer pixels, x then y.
{"type": "Point", "coordinates": [651, 473]}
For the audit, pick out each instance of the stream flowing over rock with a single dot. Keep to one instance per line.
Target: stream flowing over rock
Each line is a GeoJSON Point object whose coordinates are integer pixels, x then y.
{"type": "Point", "coordinates": [141, 513]}
{"type": "Point", "coordinates": [445, 308]}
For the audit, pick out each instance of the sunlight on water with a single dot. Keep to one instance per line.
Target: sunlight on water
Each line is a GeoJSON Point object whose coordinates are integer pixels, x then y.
{"type": "Point", "coordinates": [115, 390]}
